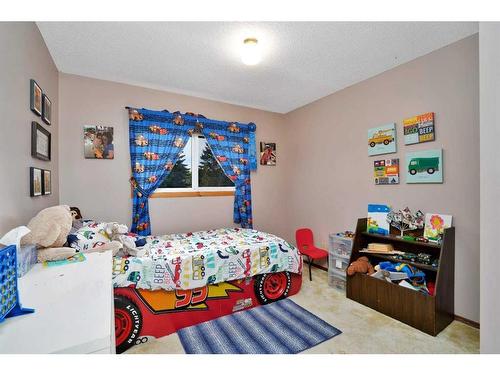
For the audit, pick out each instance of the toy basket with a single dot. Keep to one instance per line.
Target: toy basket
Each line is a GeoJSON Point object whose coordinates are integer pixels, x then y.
{"type": "Point", "coordinates": [9, 295]}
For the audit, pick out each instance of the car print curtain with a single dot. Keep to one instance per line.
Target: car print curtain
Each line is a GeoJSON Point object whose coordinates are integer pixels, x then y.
{"type": "Point", "coordinates": [157, 139]}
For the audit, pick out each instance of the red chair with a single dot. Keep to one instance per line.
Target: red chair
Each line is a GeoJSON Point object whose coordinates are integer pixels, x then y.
{"type": "Point", "coordinates": [305, 244]}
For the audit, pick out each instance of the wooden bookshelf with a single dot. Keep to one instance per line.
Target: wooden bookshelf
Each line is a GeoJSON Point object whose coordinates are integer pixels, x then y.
{"type": "Point", "coordinates": [430, 314]}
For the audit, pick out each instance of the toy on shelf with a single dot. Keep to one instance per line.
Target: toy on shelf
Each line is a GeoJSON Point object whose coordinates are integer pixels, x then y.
{"type": "Point", "coordinates": [377, 219]}
{"type": "Point", "coordinates": [361, 265]}
{"type": "Point", "coordinates": [416, 276]}
{"type": "Point", "coordinates": [9, 294]}
{"type": "Point", "coordinates": [405, 220]}
{"type": "Point", "coordinates": [380, 248]}
{"type": "Point", "coordinates": [435, 225]}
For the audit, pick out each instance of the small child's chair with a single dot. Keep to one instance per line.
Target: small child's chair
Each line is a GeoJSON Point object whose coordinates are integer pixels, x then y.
{"type": "Point", "coordinates": [305, 244]}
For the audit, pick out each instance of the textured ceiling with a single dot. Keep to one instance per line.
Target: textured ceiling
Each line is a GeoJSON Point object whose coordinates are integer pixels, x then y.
{"type": "Point", "coordinates": [302, 61]}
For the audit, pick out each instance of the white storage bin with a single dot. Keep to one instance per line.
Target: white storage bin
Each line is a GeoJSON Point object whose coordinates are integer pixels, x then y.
{"type": "Point", "coordinates": [337, 263]}
{"type": "Point", "coordinates": [336, 283]}
{"type": "Point", "coordinates": [337, 273]}
{"type": "Point", "coordinates": [340, 246]}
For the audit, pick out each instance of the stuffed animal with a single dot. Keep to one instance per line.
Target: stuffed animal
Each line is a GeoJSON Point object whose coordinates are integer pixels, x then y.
{"type": "Point", "coordinates": [362, 265]}
{"type": "Point", "coordinates": [119, 233]}
{"type": "Point", "coordinates": [49, 231]}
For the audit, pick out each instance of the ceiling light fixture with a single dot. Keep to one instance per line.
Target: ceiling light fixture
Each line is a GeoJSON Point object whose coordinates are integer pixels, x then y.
{"type": "Point", "coordinates": [250, 53]}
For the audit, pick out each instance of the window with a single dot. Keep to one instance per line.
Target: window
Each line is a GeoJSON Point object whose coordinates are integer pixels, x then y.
{"type": "Point", "coordinates": [196, 173]}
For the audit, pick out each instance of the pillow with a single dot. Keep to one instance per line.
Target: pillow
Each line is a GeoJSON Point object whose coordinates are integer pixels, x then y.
{"type": "Point", "coordinates": [91, 235]}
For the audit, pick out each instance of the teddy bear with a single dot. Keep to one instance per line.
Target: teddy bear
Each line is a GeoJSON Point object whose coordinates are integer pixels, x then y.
{"type": "Point", "coordinates": [49, 230]}
{"type": "Point", "coordinates": [361, 265]}
{"type": "Point", "coordinates": [129, 244]}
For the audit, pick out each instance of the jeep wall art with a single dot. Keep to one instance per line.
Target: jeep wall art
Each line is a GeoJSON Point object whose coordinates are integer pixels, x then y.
{"type": "Point", "coordinates": [424, 167]}
{"type": "Point", "coordinates": [382, 140]}
{"type": "Point", "coordinates": [419, 128]}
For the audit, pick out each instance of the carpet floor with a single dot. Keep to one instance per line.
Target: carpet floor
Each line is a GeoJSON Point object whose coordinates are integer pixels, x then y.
{"type": "Point", "coordinates": [363, 330]}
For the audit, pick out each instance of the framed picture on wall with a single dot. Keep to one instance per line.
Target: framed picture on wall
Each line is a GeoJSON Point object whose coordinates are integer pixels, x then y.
{"type": "Point", "coordinates": [382, 140]}
{"type": "Point", "coordinates": [98, 142]}
{"type": "Point", "coordinates": [386, 171]}
{"type": "Point", "coordinates": [418, 129]}
{"type": "Point", "coordinates": [267, 153]}
{"type": "Point", "coordinates": [35, 182]}
{"type": "Point", "coordinates": [47, 182]}
{"type": "Point", "coordinates": [424, 167]}
{"type": "Point", "coordinates": [46, 109]}
{"type": "Point", "coordinates": [35, 97]}
{"type": "Point", "coordinates": [40, 142]}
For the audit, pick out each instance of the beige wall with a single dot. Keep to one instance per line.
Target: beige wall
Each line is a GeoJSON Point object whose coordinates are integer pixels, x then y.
{"type": "Point", "coordinates": [23, 55]}
{"type": "Point", "coordinates": [489, 60]}
{"type": "Point", "coordinates": [330, 174]}
{"type": "Point", "coordinates": [100, 187]}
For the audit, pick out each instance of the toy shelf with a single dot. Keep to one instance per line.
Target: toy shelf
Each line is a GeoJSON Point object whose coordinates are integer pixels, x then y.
{"type": "Point", "coordinates": [430, 314]}
{"type": "Point", "coordinates": [394, 238]}
{"type": "Point", "coordinates": [391, 258]}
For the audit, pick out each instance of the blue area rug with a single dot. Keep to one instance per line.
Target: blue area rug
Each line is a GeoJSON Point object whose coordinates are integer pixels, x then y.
{"type": "Point", "coordinates": [282, 327]}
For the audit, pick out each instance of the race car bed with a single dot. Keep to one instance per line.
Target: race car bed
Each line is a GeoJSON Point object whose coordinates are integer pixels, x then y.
{"type": "Point", "coordinates": [186, 279]}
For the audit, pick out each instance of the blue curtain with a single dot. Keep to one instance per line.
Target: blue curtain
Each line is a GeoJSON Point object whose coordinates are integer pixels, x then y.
{"type": "Point", "coordinates": [156, 141]}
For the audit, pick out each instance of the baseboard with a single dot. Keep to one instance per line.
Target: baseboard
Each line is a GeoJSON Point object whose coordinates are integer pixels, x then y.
{"type": "Point", "coordinates": [467, 321]}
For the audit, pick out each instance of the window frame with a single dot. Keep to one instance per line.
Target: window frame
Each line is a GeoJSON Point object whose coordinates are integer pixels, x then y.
{"type": "Point", "coordinates": [194, 190]}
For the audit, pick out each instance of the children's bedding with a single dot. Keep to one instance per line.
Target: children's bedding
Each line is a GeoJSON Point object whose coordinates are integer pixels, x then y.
{"type": "Point", "coordinates": [192, 260]}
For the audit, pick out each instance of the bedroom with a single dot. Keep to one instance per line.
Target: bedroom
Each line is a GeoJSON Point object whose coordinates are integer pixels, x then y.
{"type": "Point", "coordinates": [193, 169]}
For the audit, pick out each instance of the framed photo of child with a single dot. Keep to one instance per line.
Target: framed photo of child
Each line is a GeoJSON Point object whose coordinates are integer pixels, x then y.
{"type": "Point", "coordinates": [267, 153]}
{"type": "Point", "coordinates": [98, 142]}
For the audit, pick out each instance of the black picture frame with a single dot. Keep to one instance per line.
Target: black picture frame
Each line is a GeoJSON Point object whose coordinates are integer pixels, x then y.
{"type": "Point", "coordinates": [36, 95]}
{"type": "Point", "coordinates": [36, 189]}
{"type": "Point", "coordinates": [46, 109]}
{"type": "Point", "coordinates": [36, 129]}
{"type": "Point", "coordinates": [45, 182]}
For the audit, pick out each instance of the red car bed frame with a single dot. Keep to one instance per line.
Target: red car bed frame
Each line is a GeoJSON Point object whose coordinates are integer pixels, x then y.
{"type": "Point", "coordinates": [141, 313]}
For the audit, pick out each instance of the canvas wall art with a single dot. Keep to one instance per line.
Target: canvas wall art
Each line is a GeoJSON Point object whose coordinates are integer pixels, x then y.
{"type": "Point", "coordinates": [418, 129]}
{"type": "Point", "coordinates": [267, 153]}
{"type": "Point", "coordinates": [98, 142]}
{"type": "Point", "coordinates": [435, 225]}
{"type": "Point", "coordinates": [386, 171]}
{"type": "Point", "coordinates": [382, 140]}
{"type": "Point", "coordinates": [424, 167]}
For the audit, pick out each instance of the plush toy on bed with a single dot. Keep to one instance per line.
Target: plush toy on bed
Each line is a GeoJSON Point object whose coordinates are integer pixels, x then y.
{"type": "Point", "coordinates": [361, 265]}
{"type": "Point", "coordinates": [131, 244]}
{"type": "Point", "coordinates": [49, 229]}
{"type": "Point", "coordinates": [88, 235]}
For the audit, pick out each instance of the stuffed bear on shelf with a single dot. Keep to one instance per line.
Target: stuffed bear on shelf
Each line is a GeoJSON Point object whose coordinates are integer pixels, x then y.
{"type": "Point", "coordinates": [361, 265]}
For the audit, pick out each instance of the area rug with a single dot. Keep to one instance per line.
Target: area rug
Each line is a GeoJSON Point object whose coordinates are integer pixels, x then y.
{"type": "Point", "coordinates": [282, 327]}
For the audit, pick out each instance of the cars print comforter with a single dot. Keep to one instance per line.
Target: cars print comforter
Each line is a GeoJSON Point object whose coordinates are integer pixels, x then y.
{"type": "Point", "coordinates": [192, 260]}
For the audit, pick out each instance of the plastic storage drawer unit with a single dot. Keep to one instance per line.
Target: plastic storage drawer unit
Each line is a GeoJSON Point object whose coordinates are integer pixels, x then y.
{"type": "Point", "coordinates": [339, 253]}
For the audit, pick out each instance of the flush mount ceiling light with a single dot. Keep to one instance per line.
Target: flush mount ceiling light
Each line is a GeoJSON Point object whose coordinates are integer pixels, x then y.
{"type": "Point", "coordinates": [250, 53]}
